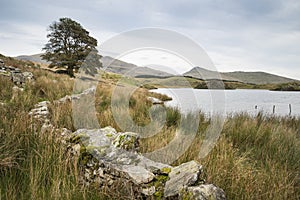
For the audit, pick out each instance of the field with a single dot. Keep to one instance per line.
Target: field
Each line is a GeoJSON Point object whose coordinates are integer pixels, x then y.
{"type": "Point", "coordinates": [255, 157]}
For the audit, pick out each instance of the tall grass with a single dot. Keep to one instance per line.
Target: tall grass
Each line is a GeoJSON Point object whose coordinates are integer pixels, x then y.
{"type": "Point", "coordinates": [35, 165]}
{"type": "Point", "coordinates": [255, 157]}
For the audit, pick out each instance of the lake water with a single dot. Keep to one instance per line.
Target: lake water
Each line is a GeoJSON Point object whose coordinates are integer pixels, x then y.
{"type": "Point", "coordinates": [233, 101]}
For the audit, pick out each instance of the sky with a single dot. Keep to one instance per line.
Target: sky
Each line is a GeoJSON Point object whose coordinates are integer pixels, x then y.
{"type": "Point", "coordinates": [237, 35]}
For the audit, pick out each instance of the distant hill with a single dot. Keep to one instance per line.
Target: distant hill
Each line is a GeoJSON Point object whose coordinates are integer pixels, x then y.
{"type": "Point", "coordinates": [120, 67]}
{"type": "Point", "coordinates": [111, 65]}
{"type": "Point", "coordinates": [259, 77]}
{"type": "Point", "coordinates": [245, 77]}
{"type": "Point", "coordinates": [201, 73]}
{"type": "Point", "coordinates": [33, 58]}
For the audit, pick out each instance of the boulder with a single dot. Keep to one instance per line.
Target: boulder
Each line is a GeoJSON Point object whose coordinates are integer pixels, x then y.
{"type": "Point", "coordinates": [182, 176]}
{"type": "Point", "coordinates": [28, 76]}
{"type": "Point", "coordinates": [17, 77]}
{"type": "Point", "coordinates": [203, 192]}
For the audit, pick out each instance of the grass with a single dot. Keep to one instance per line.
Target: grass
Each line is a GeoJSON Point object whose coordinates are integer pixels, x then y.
{"type": "Point", "coordinates": [255, 157]}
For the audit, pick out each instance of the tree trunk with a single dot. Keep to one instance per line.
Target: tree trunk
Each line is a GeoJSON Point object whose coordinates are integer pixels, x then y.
{"type": "Point", "coordinates": [70, 71]}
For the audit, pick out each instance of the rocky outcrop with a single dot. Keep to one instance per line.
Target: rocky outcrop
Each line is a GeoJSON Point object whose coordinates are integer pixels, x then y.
{"type": "Point", "coordinates": [107, 157]}
{"type": "Point", "coordinates": [18, 77]}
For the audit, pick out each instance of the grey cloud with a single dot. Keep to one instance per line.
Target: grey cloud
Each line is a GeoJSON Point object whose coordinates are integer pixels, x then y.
{"type": "Point", "coordinates": [258, 32]}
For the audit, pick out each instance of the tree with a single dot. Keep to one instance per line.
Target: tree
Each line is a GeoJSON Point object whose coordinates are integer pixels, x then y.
{"type": "Point", "coordinates": [69, 44]}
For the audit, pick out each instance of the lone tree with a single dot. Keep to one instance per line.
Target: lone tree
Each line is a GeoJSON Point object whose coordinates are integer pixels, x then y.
{"type": "Point", "coordinates": [69, 44]}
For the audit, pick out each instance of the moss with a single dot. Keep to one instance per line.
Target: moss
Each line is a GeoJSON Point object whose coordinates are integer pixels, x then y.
{"type": "Point", "coordinates": [125, 141]}
{"type": "Point", "coordinates": [186, 195]}
{"type": "Point", "coordinates": [82, 149]}
{"type": "Point", "coordinates": [166, 170]}
{"type": "Point", "coordinates": [109, 135]}
{"type": "Point", "coordinates": [121, 138]}
{"type": "Point", "coordinates": [158, 195]}
{"type": "Point", "coordinates": [86, 154]}
{"type": "Point", "coordinates": [159, 183]}
{"type": "Point", "coordinates": [85, 157]}
{"type": "Point", "coordinates": [162, 178]}
{"type": "Point", "coordinates": [79, 138]}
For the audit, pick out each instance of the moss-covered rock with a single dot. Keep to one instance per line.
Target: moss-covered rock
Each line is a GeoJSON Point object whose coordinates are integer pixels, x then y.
{"type": "Point", "coordinates": [127, 141]}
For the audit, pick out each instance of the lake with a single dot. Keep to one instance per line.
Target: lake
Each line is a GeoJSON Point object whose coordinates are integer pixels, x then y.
{"type": "Point", "coordinates": [233, 101]}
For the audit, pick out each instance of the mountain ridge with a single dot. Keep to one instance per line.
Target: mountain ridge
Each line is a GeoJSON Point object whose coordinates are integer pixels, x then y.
{"type": "Point", "coordinates": [129, 69]}
{"type": "Point", "coordinates": [258, 77]}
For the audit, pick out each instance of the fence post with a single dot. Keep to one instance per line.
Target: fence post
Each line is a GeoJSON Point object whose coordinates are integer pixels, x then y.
{"type": "Point", "coordinates": [290, 106]}
{"type": "Point", "coordinates": [273, 109]}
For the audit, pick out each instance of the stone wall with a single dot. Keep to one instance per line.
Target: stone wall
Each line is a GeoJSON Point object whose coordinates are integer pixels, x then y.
{"type": "Point", "coordinates": [18, 77]}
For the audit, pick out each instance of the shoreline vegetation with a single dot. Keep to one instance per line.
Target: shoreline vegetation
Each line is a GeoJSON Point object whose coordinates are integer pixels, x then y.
{"type": "Point", "coordinates": [254, 158]}
{"type": "Point", "coordinates": [191, 82]}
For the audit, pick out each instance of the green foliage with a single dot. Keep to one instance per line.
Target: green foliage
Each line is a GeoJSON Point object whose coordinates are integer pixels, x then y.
{"type": "Point", "coordinates": [69, 44]}
{"type": "Point", "coordinates": [293, 86]}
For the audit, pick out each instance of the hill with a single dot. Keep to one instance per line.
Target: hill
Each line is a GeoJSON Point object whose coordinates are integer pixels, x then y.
{"type": "Point", "coordinates": [110, 65]}
{"type": "Point", "coordinates": [201, 73]}
{"type": "Point", "coordinates": [240, 76]}
{"type": "Point", "coordinates": [120, 67]}
{"type": "Point", "coordinates": [33, 58]}
{"type": "Point", "coordinates": [259, 77]}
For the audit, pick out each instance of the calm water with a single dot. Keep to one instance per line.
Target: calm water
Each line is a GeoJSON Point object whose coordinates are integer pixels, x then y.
{"type": "Point", "coordinates": [233, 101]}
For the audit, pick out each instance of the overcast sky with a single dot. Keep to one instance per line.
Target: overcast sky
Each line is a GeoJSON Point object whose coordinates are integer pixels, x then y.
{"type": "Point", "coordinates": [246, 35]}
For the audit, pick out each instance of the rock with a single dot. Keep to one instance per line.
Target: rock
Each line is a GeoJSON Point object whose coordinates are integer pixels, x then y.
{"type": "Point", "coordinates": [203, 192]}
{"type": "Point", "coordinates": [155, 100]}
{"type": "Point", "coordinates": [181, 176]}
{"type": "Point", "coordinates": [106, 157]}
{"type": "Point", "coordinates": [74, 97]}
{"type": "Point", "coordinates": [128, 141]}
{"type": "Point", "coordinates": [108, 150]}
{"type": "Point", "coordinates": [148, 191]}
{"type": "Point", "coordinates": [17, 77]}
{"type": "Point", "coordinates": [1, 63]}
{"type": "Point", "coordinates": [41, 111]}
{"type": "Point", "coordinates": [138, 173]}
{"type": "Point", "coordinates": [47, 128]}
{"type": "Point", "coordinates": [16, 91]}
{"type": "Point", "coordinates": [28, 76]}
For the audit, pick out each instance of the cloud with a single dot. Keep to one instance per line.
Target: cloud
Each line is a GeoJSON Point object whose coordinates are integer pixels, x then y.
{"type": "Point", "coordinates": [246, 35]}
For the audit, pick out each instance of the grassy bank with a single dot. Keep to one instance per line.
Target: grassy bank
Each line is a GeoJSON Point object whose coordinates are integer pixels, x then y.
{"type": "Point", "coordinates": [255, 157]}
{"type": "Point", "coordinates": [190, 82]}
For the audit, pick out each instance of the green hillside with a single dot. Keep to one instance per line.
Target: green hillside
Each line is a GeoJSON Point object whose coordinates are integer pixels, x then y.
{"type": "Point", "coordinates": [258, 77]}
{"type": "Point", "coordinates": [245, 77]}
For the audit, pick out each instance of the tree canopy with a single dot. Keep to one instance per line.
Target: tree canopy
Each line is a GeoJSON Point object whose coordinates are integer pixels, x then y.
{"type": "Point", "coordinates": [69, 44]}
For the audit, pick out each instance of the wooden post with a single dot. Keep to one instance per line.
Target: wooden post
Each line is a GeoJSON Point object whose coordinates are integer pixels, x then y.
{"type": "Point", "coordinates": [290, 106]}
{"type": "Point", "coordinates": [273, 109]}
